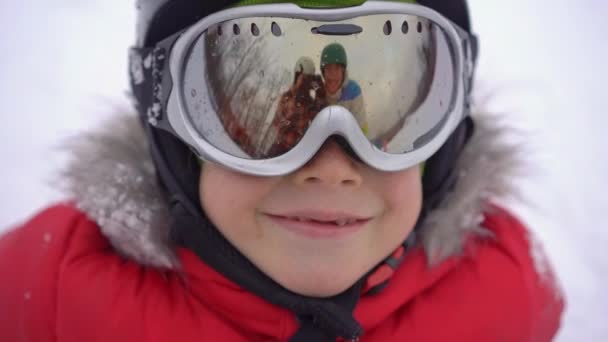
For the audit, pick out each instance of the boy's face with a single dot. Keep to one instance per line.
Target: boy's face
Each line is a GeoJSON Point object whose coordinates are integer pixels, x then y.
{"type": "Point", "coordinates": [334, 77]}
{"type": "Point", "coordinates": [258, 215]}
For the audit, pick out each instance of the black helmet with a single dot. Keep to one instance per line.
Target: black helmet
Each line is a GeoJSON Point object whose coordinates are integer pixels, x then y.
{"type": "Point", "coordinates": [158, 19]}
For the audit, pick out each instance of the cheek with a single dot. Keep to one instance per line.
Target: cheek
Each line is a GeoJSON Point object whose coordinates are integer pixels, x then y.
{"type": "Point", "coordinates": [213, 200]}
{"type": "Point", "coordinates": [403, 194]}
{"type": "Point", "coordinates": [224, 193]}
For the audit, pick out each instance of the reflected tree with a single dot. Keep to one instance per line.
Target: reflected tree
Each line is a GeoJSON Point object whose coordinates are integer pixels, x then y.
{"type": "Point", "coordinates": [244, 92]}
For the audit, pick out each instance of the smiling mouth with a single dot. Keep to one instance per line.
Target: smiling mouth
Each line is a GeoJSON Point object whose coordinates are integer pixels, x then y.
{"type": "Point", "coordinates": [338, 222]}
{"type": "Point", "coordinates": [319, 229]}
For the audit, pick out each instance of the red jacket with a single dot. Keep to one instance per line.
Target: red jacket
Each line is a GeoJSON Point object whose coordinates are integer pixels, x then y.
{"type": "Point", "coordinates": [63, 281]}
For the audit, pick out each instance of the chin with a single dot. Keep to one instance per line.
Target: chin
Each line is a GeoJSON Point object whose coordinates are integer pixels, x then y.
{"type": "Point", "coordinates": [318, 285]}
{"type": "Point", "coordinates": [333, 90]}
{"type": "Point", "coordinates": [320, 291]}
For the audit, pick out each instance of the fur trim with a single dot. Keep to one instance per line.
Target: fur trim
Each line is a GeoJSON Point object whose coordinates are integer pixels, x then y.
{"type": "Point", "coordinates": [112, 179]}
{"type": "Point", "coordinates": [486, 170]}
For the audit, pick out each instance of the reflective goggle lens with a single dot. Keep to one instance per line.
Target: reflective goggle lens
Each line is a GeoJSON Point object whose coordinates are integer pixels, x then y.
{"type": "Point", "coordinates": [254, 85]}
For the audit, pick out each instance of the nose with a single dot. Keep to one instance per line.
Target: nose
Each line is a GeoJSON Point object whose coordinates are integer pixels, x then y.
{"type": "Point", "coordinates": [330, 166]}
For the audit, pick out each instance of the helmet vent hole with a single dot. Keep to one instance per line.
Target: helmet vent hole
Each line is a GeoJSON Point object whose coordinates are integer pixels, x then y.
{"type": "Point", "coordinates": [236, 29]}
{"type": "Point", "coordinates": [276, 29]}
{"type": "Point", "coordinates": [255, 30]}
{"type": "Point", "coordinates": [405, 28]}
{"type": "Point", "coordinates": [388, 28]}
{"type": "Point", "coordinates": [419, 27]}
{"type": "Point", "coordinates": [219, 30]}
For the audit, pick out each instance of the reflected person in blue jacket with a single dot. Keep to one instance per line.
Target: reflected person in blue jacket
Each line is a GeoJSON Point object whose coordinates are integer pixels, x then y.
{"type": "Point", "coordinates": [340, 89]}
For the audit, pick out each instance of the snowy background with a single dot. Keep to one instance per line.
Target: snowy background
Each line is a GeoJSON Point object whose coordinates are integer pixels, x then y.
{"type": "Point", "coordinates": [63, 69]}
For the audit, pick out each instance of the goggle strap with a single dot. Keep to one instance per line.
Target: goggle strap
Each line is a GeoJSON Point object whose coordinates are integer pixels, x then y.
{"type": "Point", "coordinates": [142, 70]}
{"type": "Point", "coordinates": [473, 46]}
{"type": "Point", "coordinates": [148, 68]}
{"type": "Point", "coordinates": [471, 50]}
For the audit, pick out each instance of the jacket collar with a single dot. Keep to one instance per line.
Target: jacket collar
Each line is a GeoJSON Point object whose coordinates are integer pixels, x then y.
{"type": "Point", "coordinates": [254, 315]}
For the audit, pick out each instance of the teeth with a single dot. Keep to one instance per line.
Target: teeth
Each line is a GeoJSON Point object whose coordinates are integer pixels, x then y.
{"type": "Point", "coordinates": [341, 222]}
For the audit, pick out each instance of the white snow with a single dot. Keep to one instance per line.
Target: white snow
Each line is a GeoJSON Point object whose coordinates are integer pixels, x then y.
{"type": "Point", "coordinates": [64, 68]}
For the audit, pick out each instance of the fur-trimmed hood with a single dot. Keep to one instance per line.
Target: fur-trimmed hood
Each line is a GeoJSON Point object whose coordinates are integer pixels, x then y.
{"type": "Point", "coordinates": [111, 178]}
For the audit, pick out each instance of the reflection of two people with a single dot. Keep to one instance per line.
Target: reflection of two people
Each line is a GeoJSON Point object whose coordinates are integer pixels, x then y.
{"type": "Point", "coordinates": [309, 94]}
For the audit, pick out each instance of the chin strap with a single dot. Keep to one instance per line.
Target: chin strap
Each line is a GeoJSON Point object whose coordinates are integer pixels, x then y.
{"type": "Point", "coordinates": [379, 277]}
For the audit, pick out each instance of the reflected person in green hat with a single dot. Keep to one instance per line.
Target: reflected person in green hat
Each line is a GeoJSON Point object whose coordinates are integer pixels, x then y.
{"type": "Point", "coordinates": [340, 89]}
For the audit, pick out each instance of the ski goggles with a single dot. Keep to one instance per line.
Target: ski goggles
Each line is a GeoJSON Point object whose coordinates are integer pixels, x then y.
{"type": "Point", "coordinates": [260, 88]}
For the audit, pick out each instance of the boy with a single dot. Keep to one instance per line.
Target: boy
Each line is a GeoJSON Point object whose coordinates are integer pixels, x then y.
{"type": "Point", "coordinates": [334, 240]}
